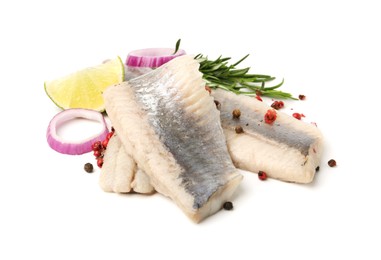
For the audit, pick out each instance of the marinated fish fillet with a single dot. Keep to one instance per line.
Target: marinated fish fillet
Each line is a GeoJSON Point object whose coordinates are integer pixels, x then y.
{"type": "Point", "coordinates": [171, 124]}
{"type": "Point", "coordinates": [288, 150]}
{"type": "Point", "coordinates": [120, 173]}
{"type": "Point", "coordinates": [142, 183]}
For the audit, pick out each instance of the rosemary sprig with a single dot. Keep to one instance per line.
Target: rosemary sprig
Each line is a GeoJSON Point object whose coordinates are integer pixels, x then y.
{"type": "Point", "coordinates": [219, 74]}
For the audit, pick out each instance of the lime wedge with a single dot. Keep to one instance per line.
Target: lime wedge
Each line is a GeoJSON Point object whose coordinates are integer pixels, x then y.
{"type": "Point", "coordinates": [83, 89]}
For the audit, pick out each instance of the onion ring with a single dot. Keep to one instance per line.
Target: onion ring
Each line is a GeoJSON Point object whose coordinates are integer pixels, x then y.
{"type": "Point", "coordinates": [74, 148]}
{"type": "Point", "coordinates": [152, 58]}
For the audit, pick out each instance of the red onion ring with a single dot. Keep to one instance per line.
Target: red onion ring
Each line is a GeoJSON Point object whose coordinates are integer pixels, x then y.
{"type": "Point", "coordinates": [74, 148]}
{"type": "Point", "coordinates": [152, 58]}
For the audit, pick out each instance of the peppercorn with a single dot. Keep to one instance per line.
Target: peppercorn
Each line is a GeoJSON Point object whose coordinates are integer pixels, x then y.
{"type": "Point", "coordinates": [100, 162]}
{"type": "Point", "coordinates": [109, 135]}
{"type": "Point", "coordinates": [96, 146]}
{"type": "Point", "coordinates": [239, 129]}
{"type": "Point", "coordinates": [218, 104]}
{"type": "Point", "coordinates": [298, 116]}
{"type": "Point", "coordinates": [236, 113]}
{"type": "Point", "coordinates": [262, 175]}
{"type": "Point", "coordinates": [88, 167]}
{"type": "Point", "coordinates": [228, 205]}
{"type": "Point", "coordinates": [277, 105]}
{"type": "Point", "coordinates": [105, 143]}
{"type": "Point", "coordinates": [97, 153]}
{"type": "Point", "coordinates": [302, 97]}
{"type": "Point", "coordinates": [332, 163]}
{"type": "Point", "coordinates": [317, 169]}
{"type": "Point", "coordinates": [270, 116]}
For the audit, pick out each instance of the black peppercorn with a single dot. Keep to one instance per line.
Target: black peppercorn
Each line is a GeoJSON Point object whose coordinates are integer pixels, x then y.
{"type": "Point", "coordinates": [88, 167]}
{"type": "Point", "coordinates": [228, 205]}
{"type": "Point", "coordinates": [236, 113]}
{"type": "Point", "coordinates": [239, 129]}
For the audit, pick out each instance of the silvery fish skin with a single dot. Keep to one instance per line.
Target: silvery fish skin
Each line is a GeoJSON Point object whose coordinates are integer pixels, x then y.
{"type": "Point", "coordinates": [173, 127]}
{"type": "Point", "coordinates": [288, 150]}
{"type": "Point", "coordinates": [119, 173]}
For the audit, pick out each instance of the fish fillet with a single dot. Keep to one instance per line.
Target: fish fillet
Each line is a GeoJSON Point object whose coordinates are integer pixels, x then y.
{"type": "Point", "coordinates": [171, 124]}
{"type": "Point", "coordinates": [120, 173]}
{"type": "Point", "coordinates": [288, 150]}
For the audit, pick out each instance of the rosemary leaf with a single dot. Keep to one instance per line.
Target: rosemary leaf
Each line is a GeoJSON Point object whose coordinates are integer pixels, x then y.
{"type": "Point", "coordinates": [177, 46]}
{"type": "Point", "coordinates": [238, 72]}
{"type": "Point", "coordinates": [276, 86]}
{"type": "Point", "coordinates": [238, 62]}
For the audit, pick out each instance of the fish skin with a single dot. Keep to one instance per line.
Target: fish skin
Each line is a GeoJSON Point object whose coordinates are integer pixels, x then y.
{"type": "Point", "coordinates": [287, 150]}
{"type": "Point", "coordinates": [171, 123]}
{"type": "Point", "coordinates": [291, 151]}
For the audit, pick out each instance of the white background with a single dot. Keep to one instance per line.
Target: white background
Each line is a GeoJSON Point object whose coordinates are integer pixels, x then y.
{"type": "Point", "coordinates": [327, 50]}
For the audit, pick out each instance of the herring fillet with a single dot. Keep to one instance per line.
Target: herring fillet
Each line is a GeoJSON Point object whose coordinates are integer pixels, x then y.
{"type": "Point", "coordinates": [119, 172]}
{"type": "Point", "coordinates": [288, 150]}
{"type": "Point", "coordinates": [173, 128]}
